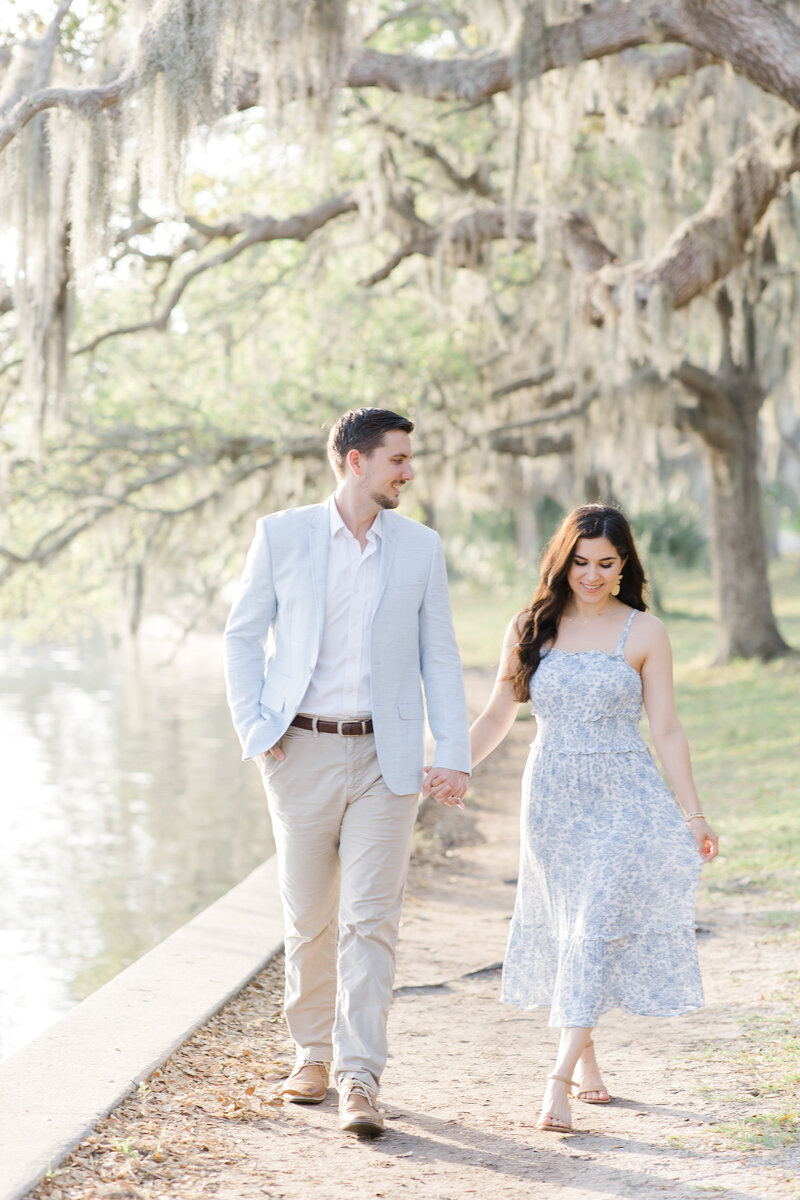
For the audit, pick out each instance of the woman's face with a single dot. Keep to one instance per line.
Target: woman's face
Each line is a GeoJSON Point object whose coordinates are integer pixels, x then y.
{"type": "Point", "coordinates": [595, 567]}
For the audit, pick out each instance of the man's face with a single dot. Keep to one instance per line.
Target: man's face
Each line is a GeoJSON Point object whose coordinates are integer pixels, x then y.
{"type": "Point", "coordinates": [384, 472]}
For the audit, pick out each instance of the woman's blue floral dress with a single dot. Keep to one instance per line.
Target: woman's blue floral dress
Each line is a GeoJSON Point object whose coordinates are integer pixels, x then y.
{"type": "Point", "coordinates": [604, 915]}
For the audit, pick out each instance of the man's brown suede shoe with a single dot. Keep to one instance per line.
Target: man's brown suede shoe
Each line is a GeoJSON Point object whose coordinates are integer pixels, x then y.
{"type": "Point", "coordinates": [357, 1111]}
{"type": "Point", "coordinates": [307, 1083]}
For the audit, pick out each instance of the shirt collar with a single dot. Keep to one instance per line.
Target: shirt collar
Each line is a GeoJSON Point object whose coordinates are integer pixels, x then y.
{"type": "Point", "coordinates": [337, 523]}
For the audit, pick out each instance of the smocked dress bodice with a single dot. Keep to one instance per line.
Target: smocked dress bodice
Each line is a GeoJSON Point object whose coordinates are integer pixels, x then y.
{"type": "Point", "coordinates": [587, 701]}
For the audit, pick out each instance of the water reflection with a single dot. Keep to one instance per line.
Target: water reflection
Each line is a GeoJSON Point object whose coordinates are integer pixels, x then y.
{"type": "Point", "coordinates": [124, 810]}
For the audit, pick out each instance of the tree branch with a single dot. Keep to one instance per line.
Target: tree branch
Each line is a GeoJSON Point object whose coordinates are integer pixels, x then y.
{"type": "Point", "coordinates": [474, 182]}
{"type": "Point", "coordinates": [247, 454]}
{"type": "Point", "coordinates": [709, 244]}
{"type": "Point", "coordinates": [44, 49]}
{"type": "Point", "coordinates": [517, 385]}
{"type": "Point", "coordinates": [560, 443]}
{"type": "Point", "coordinates": [459, 242]}
{"type": "Point", "coordinates": [297, 227]}
{"type": "Point", "coordinates": [554, 417]}
{"type": "Point", "coordinates": [448, 19]}
{"type": "Point", "coordinates": [663, 115]}
{"type": "Point", "coordinates": [51, 37]}
{"type": "Point", "coordinates": [712, 418]}
{"type": "Point", "coordinates": [85, 101]}
{"type": "Point", "coordinates": [721, 30]}
{"type": "Point", "coordinates": [697, 380]}
{"type": "Point", "coordinates": [662, 68]}
{"type": "Point", "coordinates": [702, 250]}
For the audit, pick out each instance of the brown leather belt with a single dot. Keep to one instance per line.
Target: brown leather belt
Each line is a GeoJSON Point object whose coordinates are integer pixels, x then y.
{"type": "Point", "coordinates": [349, 728]}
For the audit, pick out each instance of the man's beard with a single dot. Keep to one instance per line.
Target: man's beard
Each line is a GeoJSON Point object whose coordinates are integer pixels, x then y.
{"type": "Point", "coordinates": [385, 501]}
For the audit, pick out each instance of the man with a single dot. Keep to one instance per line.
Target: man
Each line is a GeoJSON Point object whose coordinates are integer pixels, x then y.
{"type": "Point", "coordinates": [342, 612]}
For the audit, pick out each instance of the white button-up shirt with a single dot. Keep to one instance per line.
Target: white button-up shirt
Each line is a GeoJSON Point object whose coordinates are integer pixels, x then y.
{"type": "Point", "coordinates": [340, 686]}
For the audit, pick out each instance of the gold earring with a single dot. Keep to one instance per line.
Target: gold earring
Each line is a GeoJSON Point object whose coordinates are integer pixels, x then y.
{"type": "Point", "coordinates": [617, 585]}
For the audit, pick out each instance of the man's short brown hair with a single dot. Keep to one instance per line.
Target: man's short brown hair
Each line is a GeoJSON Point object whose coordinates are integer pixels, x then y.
{"type": "Point", "coordinates": [362, 429]}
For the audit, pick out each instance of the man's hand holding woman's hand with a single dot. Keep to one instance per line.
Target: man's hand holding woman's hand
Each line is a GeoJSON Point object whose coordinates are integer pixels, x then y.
{"type": "Point", "coordinates": [445, 785]}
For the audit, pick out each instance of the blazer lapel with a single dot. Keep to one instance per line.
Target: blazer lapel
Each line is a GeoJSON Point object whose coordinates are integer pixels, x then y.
{"type": "Point", "coordinates": [388, 547]}
{"type": "Point", "coordinates": [319, 537]}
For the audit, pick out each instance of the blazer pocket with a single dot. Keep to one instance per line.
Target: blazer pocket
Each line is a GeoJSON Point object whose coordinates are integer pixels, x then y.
{"type": "Point", "coordinates": [273, 694]}
{"type": "Point", "coordinates": [411, 711]}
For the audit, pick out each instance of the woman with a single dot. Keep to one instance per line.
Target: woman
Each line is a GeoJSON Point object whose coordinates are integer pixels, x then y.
{"type": "Point", "coordinates": [604, 914]}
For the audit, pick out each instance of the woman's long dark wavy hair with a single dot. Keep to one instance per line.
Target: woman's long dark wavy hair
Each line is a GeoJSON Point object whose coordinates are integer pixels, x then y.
{"type": "Point", "coordinates": [539, 622]}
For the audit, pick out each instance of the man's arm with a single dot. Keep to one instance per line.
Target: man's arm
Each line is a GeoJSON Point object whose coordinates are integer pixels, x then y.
{"type": "Point", "coordinates": [246, 634]}
{"type": "Point", "coordinates": [442, 677]}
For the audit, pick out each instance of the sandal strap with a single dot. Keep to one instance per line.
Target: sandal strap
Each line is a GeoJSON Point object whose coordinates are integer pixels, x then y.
{"type": "Point", "coordinates": [563, 1079]}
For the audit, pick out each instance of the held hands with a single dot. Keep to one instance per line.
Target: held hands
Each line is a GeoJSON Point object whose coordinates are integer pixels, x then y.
{"type": "Point", "coordinates": [707, 840]}
{"type": "Point", "coordinates": [445, 785]}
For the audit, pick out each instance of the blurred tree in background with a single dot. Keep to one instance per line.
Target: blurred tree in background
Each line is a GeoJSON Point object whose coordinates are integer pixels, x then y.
{"type": "Point", "coordinates": [563, 236]}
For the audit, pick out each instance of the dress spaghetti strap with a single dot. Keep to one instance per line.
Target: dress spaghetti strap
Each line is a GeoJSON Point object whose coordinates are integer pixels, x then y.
{"type": "Point", "coordinates": [624, 634]}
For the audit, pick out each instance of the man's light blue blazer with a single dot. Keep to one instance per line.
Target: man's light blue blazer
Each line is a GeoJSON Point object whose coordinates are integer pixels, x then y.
{"type": "Point", "coordinates": [273, 636]}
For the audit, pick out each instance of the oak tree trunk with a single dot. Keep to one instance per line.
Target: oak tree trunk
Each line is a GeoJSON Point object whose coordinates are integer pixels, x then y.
{"type": "Point", "coordinates": [747, 627]}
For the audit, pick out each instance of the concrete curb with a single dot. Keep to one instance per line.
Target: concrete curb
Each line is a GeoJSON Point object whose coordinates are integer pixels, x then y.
{"type": "Point", "coordinates": [54, 1090]}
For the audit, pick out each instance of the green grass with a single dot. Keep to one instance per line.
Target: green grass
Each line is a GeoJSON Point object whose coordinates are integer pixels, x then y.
{"type": "Point", "coordinates": [481, 618]}
{"type": "Point", "coordinates": [783, 919]}
{"type": "Point", "coordinates": [766, 1057]}
{"type": "Point", "coordinates": [769, 1131]}
{"type": "Point", "coordinates": [742, 721]}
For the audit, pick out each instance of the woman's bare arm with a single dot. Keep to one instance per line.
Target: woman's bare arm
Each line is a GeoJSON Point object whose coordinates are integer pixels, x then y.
{"type": "Point", "coordinates": [668, 735]}
{"type": "Point", "coordinates": [489, 729]}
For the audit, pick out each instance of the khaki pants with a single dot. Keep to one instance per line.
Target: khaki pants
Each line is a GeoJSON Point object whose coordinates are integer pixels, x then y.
{"type": "Point", "coordinates": [342, 841]}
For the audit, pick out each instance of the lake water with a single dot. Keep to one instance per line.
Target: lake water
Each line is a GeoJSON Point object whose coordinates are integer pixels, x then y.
{"type": "Point", "coordinates": [124, 810]}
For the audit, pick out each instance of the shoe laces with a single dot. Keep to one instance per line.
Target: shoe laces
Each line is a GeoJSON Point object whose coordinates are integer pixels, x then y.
{"type": "Point", "coordinates": [359, 1087]}
{"type": "Point", "coordinates": [311, 1062]}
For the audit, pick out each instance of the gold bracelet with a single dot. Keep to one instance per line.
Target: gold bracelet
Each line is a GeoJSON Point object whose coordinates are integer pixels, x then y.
{"type": "Point", "coordinates": [692, 816]}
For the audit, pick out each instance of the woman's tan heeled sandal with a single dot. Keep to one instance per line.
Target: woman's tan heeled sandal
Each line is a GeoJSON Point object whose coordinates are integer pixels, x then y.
{"type": "Point", "coordinates": [584, 1092]}
{"type": "Point", "coordinates": [550, 1122]}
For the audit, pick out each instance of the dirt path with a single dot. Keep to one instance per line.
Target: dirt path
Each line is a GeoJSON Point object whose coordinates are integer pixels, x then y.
{"type": "Point", "coordinates": [463, 1083]}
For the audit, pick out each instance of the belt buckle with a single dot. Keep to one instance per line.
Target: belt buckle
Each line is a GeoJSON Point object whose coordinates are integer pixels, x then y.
{"type": "Point", "coordinates": [352, 732]}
